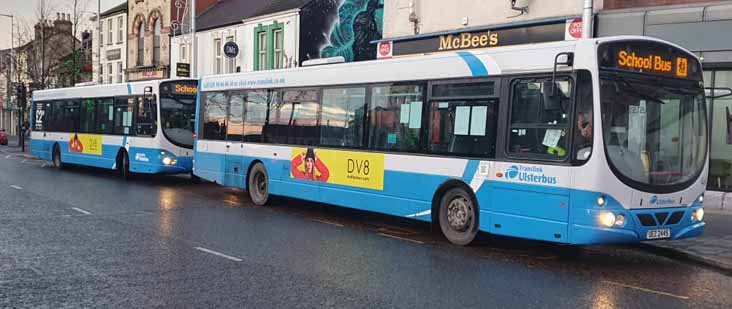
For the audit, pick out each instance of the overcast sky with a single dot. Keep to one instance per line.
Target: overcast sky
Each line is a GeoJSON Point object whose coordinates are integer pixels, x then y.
{"type": "Point", "coordinates": [25, 13]}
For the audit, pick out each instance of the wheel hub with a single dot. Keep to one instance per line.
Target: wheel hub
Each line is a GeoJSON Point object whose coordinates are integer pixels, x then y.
{"type": "Point", "coordinates": [459, 214]}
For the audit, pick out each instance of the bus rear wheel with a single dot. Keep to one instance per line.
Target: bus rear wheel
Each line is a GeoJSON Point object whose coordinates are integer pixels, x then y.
{"type": "Point", "coordinates": [56, 158]}
{"type": "Point", "coordinates": [458, 216]}
{"type": "Point", "coordinates": [258, 185]}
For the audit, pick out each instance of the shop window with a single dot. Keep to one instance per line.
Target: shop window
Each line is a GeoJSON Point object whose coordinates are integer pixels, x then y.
{"type": "Point", "coordinates": [720, 158]}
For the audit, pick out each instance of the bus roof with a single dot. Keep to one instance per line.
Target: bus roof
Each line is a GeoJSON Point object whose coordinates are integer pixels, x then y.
{"type": "Point", "coordinates": [107, 90]}
{"type": "Point", "coordinates": [459, 64]}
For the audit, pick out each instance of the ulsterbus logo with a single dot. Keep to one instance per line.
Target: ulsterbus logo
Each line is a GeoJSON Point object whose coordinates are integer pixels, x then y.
{"type": "Point", "coordinates": [529, 174]}
{"type": "Point", "coordinates": [654, 200]}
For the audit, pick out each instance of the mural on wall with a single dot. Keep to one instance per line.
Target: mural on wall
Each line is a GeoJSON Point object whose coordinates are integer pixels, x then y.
{"type": "Point", "coordinates": [346, 28]}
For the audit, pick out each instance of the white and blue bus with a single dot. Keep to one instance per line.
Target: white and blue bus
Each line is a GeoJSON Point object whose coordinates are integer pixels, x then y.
{"type": "Point", "coordinates": [577, 142]}
{"type": "Point", "coordinates": [141, 127]}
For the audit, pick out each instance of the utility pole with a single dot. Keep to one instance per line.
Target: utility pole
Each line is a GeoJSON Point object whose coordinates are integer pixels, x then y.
{"type": "Point", "coordinates": [194, 62]}
{"type": "Point", "coordinates": [587, 19]}
{"type": "Point", "coordinates": [99, 38]}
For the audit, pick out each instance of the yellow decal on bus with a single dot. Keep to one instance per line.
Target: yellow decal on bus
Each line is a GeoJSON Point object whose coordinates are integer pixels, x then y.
{"type": "Point", "coordinates": [86, 144]}
{"type": "Point", "coordinates": [348, 168]}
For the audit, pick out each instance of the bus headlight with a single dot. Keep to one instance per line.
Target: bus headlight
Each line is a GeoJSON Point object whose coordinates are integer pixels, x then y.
{"type": "Point", "coordinates": [701, 198]}
{"type": "Point", "coordinates": [697, 215]}
{"type": "Point", "coordinates": [168, 161]}
{"type": "Point", "coordinates": [606, 219]}
{"type": "Point", "coordinates": [620, 220]}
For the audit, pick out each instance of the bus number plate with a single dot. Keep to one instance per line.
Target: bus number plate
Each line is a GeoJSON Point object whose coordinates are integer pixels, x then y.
{"type": "Point", "coordinates": [658, 234]}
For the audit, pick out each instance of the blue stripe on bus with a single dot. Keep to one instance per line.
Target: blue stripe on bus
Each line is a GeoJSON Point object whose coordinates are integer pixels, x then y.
{"type": "Point", "coordinates": [512, 209]}
{"type": "Point", "coordinates": [470, 170]}
{"type": "Point", "coordinates": [129, 89]}
{"type": "Point", "coordinates": [476, 66]}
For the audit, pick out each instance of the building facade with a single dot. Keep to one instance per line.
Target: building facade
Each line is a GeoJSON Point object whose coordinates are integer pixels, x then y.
{"type": "Point", "coordinates": [415, 27]}
{"type": "Point", "coordinates": [112, 66]}
{"type": "Point", "coordinates": [704, 28]}
{"type": "Point", "coordinates": [281, 34]}
{"type": "Point", "coordinates": [148, 39]}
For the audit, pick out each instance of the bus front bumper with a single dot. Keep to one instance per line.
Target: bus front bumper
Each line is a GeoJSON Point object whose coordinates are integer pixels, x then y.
{"type": "Point", "coordinates": [641, 225]}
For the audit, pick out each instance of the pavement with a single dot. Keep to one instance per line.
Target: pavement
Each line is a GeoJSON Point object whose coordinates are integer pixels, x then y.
{"type": "Point", "coordinates": [81, 237]}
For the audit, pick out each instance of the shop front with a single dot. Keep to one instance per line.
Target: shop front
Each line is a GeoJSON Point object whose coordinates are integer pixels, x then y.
{"type": "Point", "coordinates": [528, 32]}
{"type": "Point", "coordinates": [705, 30]}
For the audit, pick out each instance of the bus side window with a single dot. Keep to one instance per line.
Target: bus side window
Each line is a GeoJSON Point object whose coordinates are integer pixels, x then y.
{"type": "Point", "coordinates": [396, 117]}
{"type": "Point", "coordinates": [123, 108]}
{"type": "Point", "coordinates": [583, 132]}
{"type": "Point", "coordinates": [214, 116]}
{"type": "Point", "coordinates": [146, 120]}
{"type": "Point", "coordinates": [539, 123]}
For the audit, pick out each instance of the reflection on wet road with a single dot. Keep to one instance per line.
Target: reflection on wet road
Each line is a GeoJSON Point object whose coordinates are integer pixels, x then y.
{"type": "Point", "coordinates": [164, 241]}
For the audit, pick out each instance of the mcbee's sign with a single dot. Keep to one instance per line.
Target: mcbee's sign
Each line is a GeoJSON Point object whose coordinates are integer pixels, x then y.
{"type": "Point", "coordinates": [472, 39]}
{"type": "Point", "coordinates": [468, 40]}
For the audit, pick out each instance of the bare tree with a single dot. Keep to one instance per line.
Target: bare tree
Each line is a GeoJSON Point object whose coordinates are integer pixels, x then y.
{"type": "Point", "coordinates": [77, 9]}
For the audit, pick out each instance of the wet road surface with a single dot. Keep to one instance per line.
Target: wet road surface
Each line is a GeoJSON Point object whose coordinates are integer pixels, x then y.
{"type": "Point", "coordinates": [82, 237]}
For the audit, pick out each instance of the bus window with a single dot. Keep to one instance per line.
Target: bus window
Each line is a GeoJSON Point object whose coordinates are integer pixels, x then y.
{"type": "Point", "coordinates": [293, 118]}
{"type": "Point", "coordinates": [88, 116]}
{"type": "Point", "coordinates": [214, 118]}
{"type": "Point", "coordinates": [342, 118]}
{"type": "Point", "coordinates": [464, 128]}
{"type": "Point", "coordinates": [539, 119]}
{"type": "Point", "coordinates": [71, 116]}
{"type": "Point", "coordinates": [583, 117]}
{"type": "Point", "coordinates": [255, 115]}
{"type": "Point", "coordinates": [396, 117]}
{"type": "Point", "coordinates": [146, 120]}
{"type": "Point", "coordinates": [235, 127]}
{"type": "Point", "coordinates": [123, 108]}
{"type": "Point", "coordinates": [105, 115]}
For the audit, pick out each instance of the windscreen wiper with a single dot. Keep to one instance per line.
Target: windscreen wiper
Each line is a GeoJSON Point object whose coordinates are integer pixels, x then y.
{"type": "Point", "coordinates": [635, 91]}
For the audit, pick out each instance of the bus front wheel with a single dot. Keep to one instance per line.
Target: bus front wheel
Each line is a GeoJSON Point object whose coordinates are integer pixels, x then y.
{"type": "Point", "coordinates": [123, 165]}
{"type": "Point", "coordinates": [56, 158]}
{"type": "Point", "coordinates": [258, 184]}
{"type": "Point", "coordinates": [458, 216]}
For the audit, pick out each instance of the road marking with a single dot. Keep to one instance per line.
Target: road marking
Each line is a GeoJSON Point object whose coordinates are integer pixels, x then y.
{"type": "Point", "coordinates": [402, 238]}
{"type": "Point", "coordinates": [231, 202]}
{"type": "Point", "coordinates": [16, 187]}
{"type": "Point", "coordinates": [81, 210]}
{"type": "Point", "coordinates": [23, 161]}
{"type": "Point", "coordinates": [328, 222]}
{"type": "Point", "coordinates": [44, 165]}
{"type": "Point", "coordinates": [7, 157]}
{"type": "Point", "coordinates": [645, 289]}
{"type": "Point", "coordinates": [218, 254]}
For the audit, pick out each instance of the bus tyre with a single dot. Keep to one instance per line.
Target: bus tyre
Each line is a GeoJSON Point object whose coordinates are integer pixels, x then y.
{"type": "Point", "coordinates": [458, 216]}
{"type": "Point", "coordinates": [123, 166]}
{"type": "Point", "coordinates": [258, 184]}
{"type": "Point", "coordinates": [56, 158]}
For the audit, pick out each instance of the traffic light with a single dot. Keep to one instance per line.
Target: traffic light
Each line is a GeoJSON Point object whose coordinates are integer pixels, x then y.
{"type": "Point", "coordinates": [21, 91]}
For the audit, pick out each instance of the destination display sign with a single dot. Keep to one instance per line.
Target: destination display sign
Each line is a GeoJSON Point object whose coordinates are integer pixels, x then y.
{"type": "Point", "coordinates": [650, 58]}
{"type": "Point", "coordinates": [182, 87]}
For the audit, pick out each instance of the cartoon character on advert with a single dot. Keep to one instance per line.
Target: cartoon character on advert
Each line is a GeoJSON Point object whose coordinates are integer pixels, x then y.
{"type": "Point", "coordinates": [312, 164]}
{"type": "Point", "coordinates": [75, 144]}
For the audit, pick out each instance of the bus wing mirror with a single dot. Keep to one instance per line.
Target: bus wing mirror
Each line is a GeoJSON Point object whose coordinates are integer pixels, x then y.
{"type": "Point", "coordinates": [717, 92]}
{"type": "Point", "coordinates": [565, 59]}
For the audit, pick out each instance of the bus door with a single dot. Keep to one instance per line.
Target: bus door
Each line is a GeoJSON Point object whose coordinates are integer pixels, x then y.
{"type": "Point", "coordinates": [531, 196]}
{"type": "Point", "coordinates": [234, 155]}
